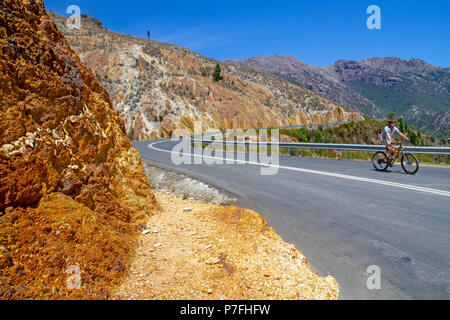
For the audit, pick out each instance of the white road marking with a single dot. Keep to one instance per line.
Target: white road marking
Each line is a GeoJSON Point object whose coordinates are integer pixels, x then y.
{"type": "Point", "coordinates": [323, 173]}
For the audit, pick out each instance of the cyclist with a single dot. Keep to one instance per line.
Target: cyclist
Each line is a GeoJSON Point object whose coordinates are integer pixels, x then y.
{"type": "Point", "coordinates": [388, 133]}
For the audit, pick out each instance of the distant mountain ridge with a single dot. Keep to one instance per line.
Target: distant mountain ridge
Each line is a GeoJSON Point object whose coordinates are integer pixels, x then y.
{"type": "Point", "coordinates": [414, 89]}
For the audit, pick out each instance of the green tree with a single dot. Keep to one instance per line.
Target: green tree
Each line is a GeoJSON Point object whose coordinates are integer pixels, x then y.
{"type": "Point", "coordinates": [148, 35]}
{"type": "Point", "coordinates": [307, 133]}
{"type": "Point", "coordinates": [318, 136]}
{"type": "Point", "coordinates": [303, 135]}
{"type": "Point", "coordinates": [413, 137]}
{"type": "Point", "coordinates": [401, 125]}
{"type": "Point", "coordinates": [217, 76]}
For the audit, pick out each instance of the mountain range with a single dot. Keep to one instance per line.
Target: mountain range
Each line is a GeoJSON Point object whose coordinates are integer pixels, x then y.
{"type": "Point", "coordinates": [416, 90]}
{"type": "Point", "coordinates": [159, 87]}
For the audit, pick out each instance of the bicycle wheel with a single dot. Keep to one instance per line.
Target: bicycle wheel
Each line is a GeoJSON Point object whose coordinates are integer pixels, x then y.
{"type": "Point", "coordinates": [410, 164]}
{"type": "Point", "coordinates": [379, 161]}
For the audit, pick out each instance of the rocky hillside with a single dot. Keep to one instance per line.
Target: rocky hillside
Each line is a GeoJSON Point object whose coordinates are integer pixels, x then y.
{"type": "Point", "coordinates": [72, 189]}
{"type": "Point", "coordinates": [159, 87]}
{"type": "Point", "coordinates": [414, 89]}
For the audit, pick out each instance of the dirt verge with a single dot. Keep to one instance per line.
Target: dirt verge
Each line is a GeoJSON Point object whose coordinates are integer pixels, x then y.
{"type": "Point", "coordinates": [197, 251]}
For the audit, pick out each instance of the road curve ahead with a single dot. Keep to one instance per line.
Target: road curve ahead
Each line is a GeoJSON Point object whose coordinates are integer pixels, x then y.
{"type": "Point", "coordinates": [346, 218]}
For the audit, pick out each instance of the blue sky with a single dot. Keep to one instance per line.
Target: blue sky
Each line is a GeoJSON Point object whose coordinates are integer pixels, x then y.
{"type": "Point", "coordinates": [316, 32]}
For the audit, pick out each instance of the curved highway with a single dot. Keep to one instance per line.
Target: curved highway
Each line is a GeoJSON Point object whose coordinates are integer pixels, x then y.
{"type": "Point", "coordinates": [345, 217]}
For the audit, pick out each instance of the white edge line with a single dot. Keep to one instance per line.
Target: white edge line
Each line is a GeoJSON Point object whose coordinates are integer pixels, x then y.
{"type": "Point", "coordinates": [323, 173]}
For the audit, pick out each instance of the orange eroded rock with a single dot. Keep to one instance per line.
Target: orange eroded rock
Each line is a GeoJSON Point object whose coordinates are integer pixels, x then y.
{"type": "Point", "coordinates": [71, 185]}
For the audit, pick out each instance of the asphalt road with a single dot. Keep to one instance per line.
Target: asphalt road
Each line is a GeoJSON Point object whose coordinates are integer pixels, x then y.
{"type": "Point", "coordinates": [345, 217]}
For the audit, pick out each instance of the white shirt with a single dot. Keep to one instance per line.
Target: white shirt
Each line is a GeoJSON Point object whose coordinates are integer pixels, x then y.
{"type": "Point", "coordinates": [387, 130]}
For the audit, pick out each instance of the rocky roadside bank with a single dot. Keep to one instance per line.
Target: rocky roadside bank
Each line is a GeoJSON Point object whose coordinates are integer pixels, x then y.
{"type": "Point", "coordinates": [72, 188]}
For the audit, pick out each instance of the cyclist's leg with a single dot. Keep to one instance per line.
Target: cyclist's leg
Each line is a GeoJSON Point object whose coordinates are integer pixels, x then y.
{"type": "Point", "coordinates": [389, 148]}
{"type": "Point", "coordinates": [390, 151]}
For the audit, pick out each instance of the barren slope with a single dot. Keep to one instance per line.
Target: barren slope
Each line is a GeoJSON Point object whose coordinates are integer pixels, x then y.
{"type": "Point", "coordinates": [159, 87]}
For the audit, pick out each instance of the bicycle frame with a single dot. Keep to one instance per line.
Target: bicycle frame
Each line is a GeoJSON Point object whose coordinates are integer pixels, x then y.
{"type": "Point", "coordinates": [396, 152]}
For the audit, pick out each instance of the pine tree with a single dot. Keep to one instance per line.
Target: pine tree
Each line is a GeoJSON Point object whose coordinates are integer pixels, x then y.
{"type": "Point", "coordinates": [217, 71]}
{"type": "Point", "coordinates": [391, 115]}
{"type": "Point", "coordinates": [413, 138]}
{"type": "Point", "coordinates": [148, 35]}
{"type": "Point", "coordinates": [401, 125]}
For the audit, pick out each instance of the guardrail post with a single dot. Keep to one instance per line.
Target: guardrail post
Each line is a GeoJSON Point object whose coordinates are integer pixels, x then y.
{"type": "Point", "coordinates": [420, 156]}
{"type": "Point", "coordinates": [343, 154]}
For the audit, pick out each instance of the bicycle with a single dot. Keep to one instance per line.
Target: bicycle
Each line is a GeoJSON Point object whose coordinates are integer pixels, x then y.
{"type": "Point", "coordinates": [409, 161]}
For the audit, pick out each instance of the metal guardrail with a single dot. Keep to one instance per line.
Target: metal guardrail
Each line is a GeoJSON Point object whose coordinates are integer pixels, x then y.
{"type": "Point", "coordinates": [326, 146]}
{"type": "Point", "coordinates": [318, 146]}
{"type": "Point", "coordinates": [316, 125]}
{"type": "Point", "coordinates": [286, 127]}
